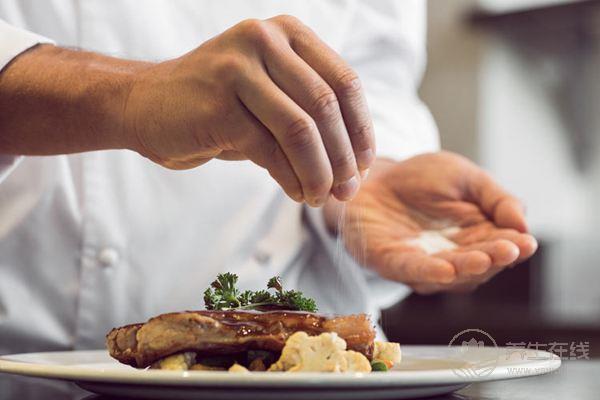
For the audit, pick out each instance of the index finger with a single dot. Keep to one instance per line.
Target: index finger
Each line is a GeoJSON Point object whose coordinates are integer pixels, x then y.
{"type": "Point", "coordinates": [344, 82]}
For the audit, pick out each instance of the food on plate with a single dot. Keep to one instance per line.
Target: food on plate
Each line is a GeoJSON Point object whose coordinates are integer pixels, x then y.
{"type": "Point", "coordinates": [387, 352]}
{"type": "Point", "coordinates": [238, 368]}
{"type": "Point", "coordinates": [269, 330]}
{"type": "Point", "coordinates": [176, 362]}
{"type": "Point", "coordinates": [379, 366]}
{"type": "Point", "coordinates": [324, 353]}
{"type": "Point", "coordinates": [232, 333]}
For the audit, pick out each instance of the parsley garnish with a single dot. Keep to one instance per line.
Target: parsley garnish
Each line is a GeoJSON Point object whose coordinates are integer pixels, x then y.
{"type": "Point", "coordinates": [223, 295]}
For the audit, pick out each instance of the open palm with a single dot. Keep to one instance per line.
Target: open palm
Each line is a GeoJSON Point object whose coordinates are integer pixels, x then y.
{"type": "Point", "coordinates": [436, 222]}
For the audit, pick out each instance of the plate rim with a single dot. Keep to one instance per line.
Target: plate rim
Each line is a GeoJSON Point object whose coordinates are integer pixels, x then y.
{"type": "Point", "coordinates": [215, 379]}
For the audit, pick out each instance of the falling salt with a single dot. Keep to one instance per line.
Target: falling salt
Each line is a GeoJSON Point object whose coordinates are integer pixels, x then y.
{"type": "Point", "coordinates": [434, 241]}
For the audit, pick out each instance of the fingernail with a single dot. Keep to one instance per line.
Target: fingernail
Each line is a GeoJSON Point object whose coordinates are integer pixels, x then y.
{"type": "Point", "coordinates": [317, 201]}
{"type": "Point", "coordinates": [364, 174]}
{"type": "Point", "coordinates": [534, 245]}
{"type": "Point", "coordinates": [320, 202]}
{"type": "Point", "coordinates": [346, 190]}
{"type": "Point", "coordinates": [365, 158]}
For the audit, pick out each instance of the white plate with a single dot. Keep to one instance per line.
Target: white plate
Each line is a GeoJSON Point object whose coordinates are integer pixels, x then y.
{"type": "Point", "coordinates": [424, 371]}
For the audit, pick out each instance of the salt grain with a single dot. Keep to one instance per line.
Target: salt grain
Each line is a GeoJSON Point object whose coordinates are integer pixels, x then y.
{"type": "Point", "coordinates": [434, 241]}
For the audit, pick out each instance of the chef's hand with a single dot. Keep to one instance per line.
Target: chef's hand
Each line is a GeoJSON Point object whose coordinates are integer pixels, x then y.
{"type": "Point", "coordinates": [269, 91]}
{"type": "Point", "coordinates": [400, 202]}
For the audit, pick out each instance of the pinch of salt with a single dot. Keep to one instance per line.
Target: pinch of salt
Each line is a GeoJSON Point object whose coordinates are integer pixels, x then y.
{"type": "Point", "coordinates": [434, 241]}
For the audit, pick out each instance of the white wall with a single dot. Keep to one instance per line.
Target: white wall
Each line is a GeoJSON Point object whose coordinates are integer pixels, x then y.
{"type": "Point", "coordinates": [524, 142]}
{"type": "Point", "coordinates": [501, 101]}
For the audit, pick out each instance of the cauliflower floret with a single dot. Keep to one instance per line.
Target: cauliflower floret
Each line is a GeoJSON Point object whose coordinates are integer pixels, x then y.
{"type": "Point", "coordinates": [176, 362]}
{"type": "Point", "coordinates": [202, 367]}
{"type": "Point", "coordinates": [357, 362]}
{"type": "Point", "coordinates": [323, 353]}
{"type": "Point", "coordinates": [238, 368]}
{"type": "Point", "coordinates": [387, 351]}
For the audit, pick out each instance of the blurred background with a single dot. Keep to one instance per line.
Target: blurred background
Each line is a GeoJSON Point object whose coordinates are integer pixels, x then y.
{"type": "Point", "coordinates": [515, 86]}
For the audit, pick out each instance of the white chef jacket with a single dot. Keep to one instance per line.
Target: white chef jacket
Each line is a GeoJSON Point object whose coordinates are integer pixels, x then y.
{"type": "Point", "coordinates": [96, 240]}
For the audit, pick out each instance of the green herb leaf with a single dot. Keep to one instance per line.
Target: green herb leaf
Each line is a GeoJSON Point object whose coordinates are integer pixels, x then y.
{"type": "Point", "coordinates": [275, 283]}
{"type": "Point", "coordinates": [295, 300]}
{"type": "Point", "coordinates": [223, 295]}
{"type": "Point", "coordinates": [246, 297]}
{"type": "Point", "coordinates": [262, 296]}
{"type": "Point", "coordinates": [210, 299]}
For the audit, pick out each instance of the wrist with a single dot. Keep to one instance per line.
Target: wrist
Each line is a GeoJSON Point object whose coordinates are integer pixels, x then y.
{"type": "Point", "coordinates": [141, 98]}
{"type": "Point", "coordinates": [108, 86]}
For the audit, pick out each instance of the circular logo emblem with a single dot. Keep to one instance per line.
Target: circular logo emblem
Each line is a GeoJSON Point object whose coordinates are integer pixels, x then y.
{"type": "Point", "coordinates": [476, 353]}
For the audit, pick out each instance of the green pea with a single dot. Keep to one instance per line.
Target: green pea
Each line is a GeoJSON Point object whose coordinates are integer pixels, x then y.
{"type": "Point", "coordinates": [378, 366]}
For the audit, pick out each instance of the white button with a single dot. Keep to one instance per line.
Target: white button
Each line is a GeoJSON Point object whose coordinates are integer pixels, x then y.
{"type": "Point", "coordinates": [108, 256]}
{"type": "Point", "coordinates": [262, 257]}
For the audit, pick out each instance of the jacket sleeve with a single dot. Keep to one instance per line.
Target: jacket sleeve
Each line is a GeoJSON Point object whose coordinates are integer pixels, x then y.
{"type": "Point", "coordinates": [385, 44]}
{"type": "Point", "coordinates": [14, 41]}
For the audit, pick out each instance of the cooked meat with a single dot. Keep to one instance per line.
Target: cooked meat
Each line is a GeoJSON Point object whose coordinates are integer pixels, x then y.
{"type": "Point", "coordinates": [229, 332]}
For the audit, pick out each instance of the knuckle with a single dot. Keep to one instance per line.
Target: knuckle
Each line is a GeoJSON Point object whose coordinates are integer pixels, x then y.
{"type": "Point", "coordinates": [256, 30]}
{"type": "Point", "coordinates": [291, 27]}
{"type": "Point", "coordinates": [348, 83]}
{"type": "Point", "coordinates": [273, 154]}
{"type": "Point", "coordinates": [325, 103]}
{"type": "Point", "coordinates": [300, 134]}
{"type": "Point", "coordinates": [343, 165]}
{"type": "Point", "coordinates": [229, 67]}
{"type": "Point", "coordinates": [286, 20]}
{"type": "Point", "coordinates": [362, 137]}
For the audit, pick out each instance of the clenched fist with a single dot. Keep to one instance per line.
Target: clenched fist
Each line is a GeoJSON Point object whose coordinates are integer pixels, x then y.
{"type": "Point", "coordinates": [268, 91]}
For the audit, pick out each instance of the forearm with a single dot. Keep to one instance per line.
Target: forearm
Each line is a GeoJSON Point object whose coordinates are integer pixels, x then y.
{"type": "Point", "coordinates": [60, 101]}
